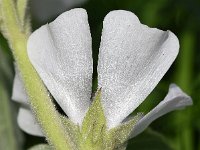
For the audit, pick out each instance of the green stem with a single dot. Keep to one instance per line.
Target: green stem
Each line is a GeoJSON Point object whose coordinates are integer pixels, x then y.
{"type": "Point", "coordinates": [183, 78]}
{"type": "Point", "coordinates": [41, 103]}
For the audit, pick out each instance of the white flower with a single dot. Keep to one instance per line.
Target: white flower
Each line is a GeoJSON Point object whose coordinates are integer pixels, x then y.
{"type": "Point", "coordinates": [132, 60]}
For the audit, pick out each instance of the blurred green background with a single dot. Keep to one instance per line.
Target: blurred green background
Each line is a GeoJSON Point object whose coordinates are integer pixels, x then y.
{"type": "Point", "coordinates": [179, 130]}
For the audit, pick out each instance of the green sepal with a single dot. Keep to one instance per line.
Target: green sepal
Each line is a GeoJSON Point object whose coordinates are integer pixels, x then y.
{"type": "Point", "coordinates": [94, 125]}
{"type": "Point", "coordinates": [118, 136]}
{"type": "Point", "coordinates": [41, 147]}
{"type": "Point", "coordinates": [22, 10]}
{"type": "Point", "coordinates": [24, 16]}
{"type": "Point", "coordinates": [95, 134]}
{"type": "Point", "coordinates": [27, 25]}
{"type": "Point", "coordinates": [72, 132]}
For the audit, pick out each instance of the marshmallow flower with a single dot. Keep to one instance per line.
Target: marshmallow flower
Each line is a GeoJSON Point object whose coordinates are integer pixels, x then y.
{"type": "Point", "coordinates": [132, 60]}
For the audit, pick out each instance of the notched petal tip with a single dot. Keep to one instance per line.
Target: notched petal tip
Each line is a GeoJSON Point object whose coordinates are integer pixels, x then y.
{"type": "Point", "coordinates": [121, 16]}
{"type": "Point", "coordinates": [133, 58]}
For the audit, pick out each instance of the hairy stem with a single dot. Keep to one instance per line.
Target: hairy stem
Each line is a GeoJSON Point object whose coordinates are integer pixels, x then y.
{"type": "Point", "coordinates": [40, 100]}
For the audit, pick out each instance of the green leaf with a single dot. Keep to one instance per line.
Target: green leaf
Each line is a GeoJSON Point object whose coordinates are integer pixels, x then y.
{"type": "Point", "coordinates": [94, 125]}
{"type": "Point", "coordinates": [41, 147]}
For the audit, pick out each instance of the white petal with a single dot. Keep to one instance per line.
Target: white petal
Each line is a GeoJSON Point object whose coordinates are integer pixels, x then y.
{"type": "Point", "coordinates": [174, 100]}
{"type": "Point", "coordinates": [133, 58]}
{"type": "Point", "coordinates": [61, 53]}
{"type": "Point", "coordinates": [44, 10]}
{"type": "Point", "coordinates": [19, 94]}
{"type": "Point", "coordinates": [27, 122]}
